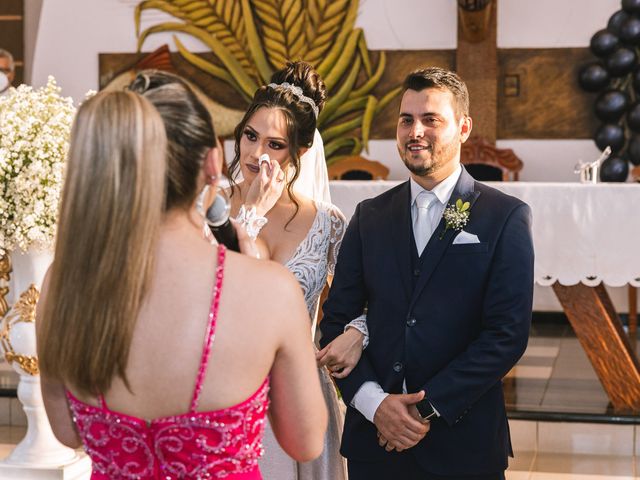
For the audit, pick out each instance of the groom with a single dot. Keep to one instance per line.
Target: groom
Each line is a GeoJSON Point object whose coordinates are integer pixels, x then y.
{"type": "Point", "coordinates": [444, 266]}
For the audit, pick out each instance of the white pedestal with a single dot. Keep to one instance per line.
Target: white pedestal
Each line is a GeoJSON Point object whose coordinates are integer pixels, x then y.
{"type": "Point", "coordinates": [39, 447]}
{"type": "Point", "coordinates": [79, 469]}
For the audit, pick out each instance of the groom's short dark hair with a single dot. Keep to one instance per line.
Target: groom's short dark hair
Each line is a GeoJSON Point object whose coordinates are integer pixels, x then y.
{"type": "Point", "coordinates": [435, 77]}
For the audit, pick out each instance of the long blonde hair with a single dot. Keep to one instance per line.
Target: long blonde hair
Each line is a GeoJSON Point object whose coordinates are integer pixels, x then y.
{"type": "Point", "coordinates": [110, 215]}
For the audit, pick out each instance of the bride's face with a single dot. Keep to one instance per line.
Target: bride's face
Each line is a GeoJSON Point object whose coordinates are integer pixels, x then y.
{"type": "Point", "coordinates": [265, 132]}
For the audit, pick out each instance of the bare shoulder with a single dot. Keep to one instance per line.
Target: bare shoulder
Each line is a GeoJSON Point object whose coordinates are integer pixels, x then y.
{"type": "Point", "coordinates": [305, 204]}
{"type": "Point", "coordinates": [262, 278]}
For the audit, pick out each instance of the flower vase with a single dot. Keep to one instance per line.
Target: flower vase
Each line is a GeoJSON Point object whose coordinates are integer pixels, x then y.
{"type": "Point", "coordinates": [39, 448]}
{"type": "Point", "coordinates": [27, 268]}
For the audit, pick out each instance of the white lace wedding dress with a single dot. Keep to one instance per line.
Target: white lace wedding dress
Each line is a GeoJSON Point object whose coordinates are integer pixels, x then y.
{"type": "Point", "coordinates": [313, 260]}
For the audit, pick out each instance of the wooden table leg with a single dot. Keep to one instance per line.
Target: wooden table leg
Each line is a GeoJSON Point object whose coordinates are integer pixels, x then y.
{"type": "Point", "coordinates": [633, 316]}
{"type": "Point", "coordinates": [599, 330]}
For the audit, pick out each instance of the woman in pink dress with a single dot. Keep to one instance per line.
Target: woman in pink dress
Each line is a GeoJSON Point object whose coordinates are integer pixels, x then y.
{"type": "Point", "coordinates": [160, 351]}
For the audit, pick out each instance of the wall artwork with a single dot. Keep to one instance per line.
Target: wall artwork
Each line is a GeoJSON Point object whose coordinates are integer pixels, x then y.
{"type": "Point", "coordinates": [249, 40]}
{"type": "Point", "coordinates": [538, 96]}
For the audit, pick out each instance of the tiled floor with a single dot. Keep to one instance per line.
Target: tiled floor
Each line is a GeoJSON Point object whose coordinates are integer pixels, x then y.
{"type": "Point", "coordinates": [9, 437]}
{"type": "Point", "coordinates": [553, 466]}
{"type": "Point", "coordinates": [554, 375]}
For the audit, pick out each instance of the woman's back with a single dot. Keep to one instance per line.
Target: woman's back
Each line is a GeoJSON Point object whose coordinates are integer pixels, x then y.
{"type": "Point", "coordinates": [170, 332]}
{"type": "Point", "coordinates": [205, 341]}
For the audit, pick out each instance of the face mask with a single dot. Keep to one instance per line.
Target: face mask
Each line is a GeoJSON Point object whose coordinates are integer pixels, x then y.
{"type": "Point", "coordinates": [4, 82]}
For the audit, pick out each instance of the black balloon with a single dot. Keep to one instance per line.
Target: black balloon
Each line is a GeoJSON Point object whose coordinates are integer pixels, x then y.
{"type": "Point", "coordinates": [631, 6]}
{"type": "Point", "coordinates": [604, 43]}
{"type": "Point", "coordinates": [621, 62]}
{"type": "Point", "coordinates": [610, 135]}
{"type": "Point", "coordinates": [630, 31]}
{"type": "Point", "coordinates": [616, 20]}
{"type": "Point", "coordinates": [614, 169]}
{"type": "Point", "coordinates": [633, 117]}
{"type": "Point", "coordinates": [593, 77]}
{"type": "Point", "coordinates": [633, 150]}
{"type": "Point", "coordinates": [611, 105]}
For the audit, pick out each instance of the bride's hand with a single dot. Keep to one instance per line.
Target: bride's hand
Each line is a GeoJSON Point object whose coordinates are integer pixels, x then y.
{"type": "Point", "coordinates": [266, 188]}
{"type": "Point", "coordinates": [342, 355]}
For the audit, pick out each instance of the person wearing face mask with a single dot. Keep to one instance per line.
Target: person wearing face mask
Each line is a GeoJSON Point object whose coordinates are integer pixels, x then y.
{"type": "Point", "coordinates": [7, 71]}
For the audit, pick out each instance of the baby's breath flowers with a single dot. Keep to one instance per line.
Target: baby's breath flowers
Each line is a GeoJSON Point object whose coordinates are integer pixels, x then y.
{"type": "Point", "coordinates": [34, 138]}
{"type": "Point", "coordinates": [456, 216]}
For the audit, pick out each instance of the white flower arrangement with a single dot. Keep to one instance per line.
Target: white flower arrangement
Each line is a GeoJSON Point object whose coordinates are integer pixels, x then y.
{"type": "Point", "coordinates": [34, 138]}
{"type": "Point", "coordinates": [456, 216]}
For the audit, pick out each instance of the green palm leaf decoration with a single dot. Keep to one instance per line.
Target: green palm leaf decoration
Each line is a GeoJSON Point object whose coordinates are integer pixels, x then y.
{"type": "Point", "coordinates": [221, 19]}
{"type": "Point", "coordinates": [252, 38]}
{"type": "Point", "coordinates": [282, 23]}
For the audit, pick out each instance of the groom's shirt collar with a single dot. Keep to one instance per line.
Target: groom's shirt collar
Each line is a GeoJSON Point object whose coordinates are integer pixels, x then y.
{"type": "Point", "coordinates": [442, 191]}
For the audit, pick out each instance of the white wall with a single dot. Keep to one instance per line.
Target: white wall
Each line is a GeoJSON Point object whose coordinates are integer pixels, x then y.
{"type": "Point", "coordinates": [551, 23]}
{"type": "Point", "coordinates": [409, 24]}
{"type": "Point", "coordinates": [32, 10]}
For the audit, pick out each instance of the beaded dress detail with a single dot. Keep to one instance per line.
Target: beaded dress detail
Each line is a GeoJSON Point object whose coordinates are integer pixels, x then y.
{"type": "Point", "coordinates": [196, 445]}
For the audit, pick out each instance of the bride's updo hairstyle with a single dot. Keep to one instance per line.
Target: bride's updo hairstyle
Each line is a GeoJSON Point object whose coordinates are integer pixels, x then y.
{"type": "Point", "coordinates": [190, 133]}
{"type": "Point", "coordinates": [300, 116]}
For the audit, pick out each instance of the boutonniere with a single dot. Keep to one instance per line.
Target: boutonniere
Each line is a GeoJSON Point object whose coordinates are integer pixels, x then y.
{"type": "Point", "coordinates": [456, 216]}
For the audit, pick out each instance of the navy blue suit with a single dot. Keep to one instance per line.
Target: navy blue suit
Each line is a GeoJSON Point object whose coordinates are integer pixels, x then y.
{"type": "Point", "coordinates": [452, 322]}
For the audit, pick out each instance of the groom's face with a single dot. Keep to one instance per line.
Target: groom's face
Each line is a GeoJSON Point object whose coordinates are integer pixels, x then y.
{"type": "Point", "coordinates": [429, 133]}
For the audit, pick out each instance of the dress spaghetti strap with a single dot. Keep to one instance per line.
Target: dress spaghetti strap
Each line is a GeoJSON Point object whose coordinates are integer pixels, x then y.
{"type": "Point", "coordinates": [211, 329]}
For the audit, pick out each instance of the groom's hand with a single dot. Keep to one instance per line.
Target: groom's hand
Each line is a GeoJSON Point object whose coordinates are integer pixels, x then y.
{"type": "Point", "coordinates": [397, 425]}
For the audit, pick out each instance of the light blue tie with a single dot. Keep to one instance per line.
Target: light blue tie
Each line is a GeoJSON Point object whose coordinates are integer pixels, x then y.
{"type": "Point", "coordinates": [423, 224]}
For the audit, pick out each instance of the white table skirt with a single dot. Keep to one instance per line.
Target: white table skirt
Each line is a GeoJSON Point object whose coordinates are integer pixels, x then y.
{"type": "Point", "coordinates": [581, 232]}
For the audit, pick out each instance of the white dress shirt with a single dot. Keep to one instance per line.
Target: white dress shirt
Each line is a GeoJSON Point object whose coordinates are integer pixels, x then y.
{"type": "Point", "coordinates": [370, 395]}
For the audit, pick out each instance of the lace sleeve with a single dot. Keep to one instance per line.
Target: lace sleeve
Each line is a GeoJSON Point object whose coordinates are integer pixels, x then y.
{"type": "Point", "coordinates": [338, 225]}
{"type": "Point", "coordinates": [360, 324]}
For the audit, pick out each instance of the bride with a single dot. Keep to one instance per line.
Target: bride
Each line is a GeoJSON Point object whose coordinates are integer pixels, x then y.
{"type": "Point", "coordinates": [283, 200]}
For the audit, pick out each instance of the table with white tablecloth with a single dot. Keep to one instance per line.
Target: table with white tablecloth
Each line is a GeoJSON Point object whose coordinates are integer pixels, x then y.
{"type": "Point", "coordinates": [585, 233]}
{"type": "Point", "coordinates": [585, 236]}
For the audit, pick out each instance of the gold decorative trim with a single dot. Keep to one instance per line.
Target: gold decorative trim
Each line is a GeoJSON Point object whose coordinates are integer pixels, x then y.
{"type": "Point", "coordinates": [28, 363]}
{"type": "Point", "coordinates": [5, 274]}
{"type": "Point", "coordinates": [10, 18]}
{"type": "Point", "coordinates": [23, 311]}
{"type": "Point", "coordinates": [26, 304]}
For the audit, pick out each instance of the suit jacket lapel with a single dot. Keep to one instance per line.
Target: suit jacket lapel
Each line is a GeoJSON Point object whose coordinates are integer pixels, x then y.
{"type": "Point", "coordinates": [400, 230]}
{"type": "Point", "coordinates": [440, 240]}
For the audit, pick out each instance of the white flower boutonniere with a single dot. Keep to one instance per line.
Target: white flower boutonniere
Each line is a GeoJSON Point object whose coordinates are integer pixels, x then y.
{"type": "Point", "coordinates": [456, 216]}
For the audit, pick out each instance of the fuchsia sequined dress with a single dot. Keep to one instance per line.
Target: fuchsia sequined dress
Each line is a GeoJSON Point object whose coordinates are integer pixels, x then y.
{"type": "Point", "coordinates": [196, 445]}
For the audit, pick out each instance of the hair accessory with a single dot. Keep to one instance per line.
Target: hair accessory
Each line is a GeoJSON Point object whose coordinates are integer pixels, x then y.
{"type": "Point", "coordinates": [297, 91]}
